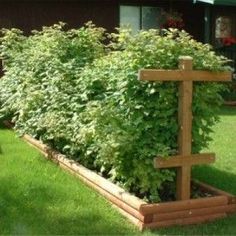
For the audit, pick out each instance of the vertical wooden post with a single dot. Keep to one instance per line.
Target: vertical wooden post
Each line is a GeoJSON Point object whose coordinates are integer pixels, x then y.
{"type": "Point", "coordinates": [185, 130]}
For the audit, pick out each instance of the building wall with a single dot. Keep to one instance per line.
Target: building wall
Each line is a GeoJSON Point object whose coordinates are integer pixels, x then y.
{"type": "Point", "coordinates": [33, 14]}
{"type": "Point", "coordinates": [28, 15]}
{"type": "Point", "coordinates": [193, 14]}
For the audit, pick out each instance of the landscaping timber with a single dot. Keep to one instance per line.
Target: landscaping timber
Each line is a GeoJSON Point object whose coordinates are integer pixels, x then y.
{"type": "Point", "coordinates": [139, 212]}
{"type": "Point", "coordinates": [183, 205]}
{"type": "Point", "coordinates": [177, 161]}
{"type": "Point", "coordinates": [185, 221]}
{"type": "Point", "coordinates": [180, 75]}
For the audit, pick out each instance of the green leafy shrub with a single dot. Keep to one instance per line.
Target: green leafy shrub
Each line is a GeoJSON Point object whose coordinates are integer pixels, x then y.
{"type": "Point", "coordinates": [229, 94]}
{"type": "Point", "coordinates": [63, 88]}
{"type": "Point", "coordinates": [40, 70]}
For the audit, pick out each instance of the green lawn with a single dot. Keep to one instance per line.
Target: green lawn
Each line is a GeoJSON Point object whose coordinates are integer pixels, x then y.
{"type": "Point", "coordinates": [37, 197]}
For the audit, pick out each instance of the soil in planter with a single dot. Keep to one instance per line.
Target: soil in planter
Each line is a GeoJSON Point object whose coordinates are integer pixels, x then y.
{"type": "Point", "coordinates": [197, 192]}
{"type": "Point", "coordinates": [167, 193]}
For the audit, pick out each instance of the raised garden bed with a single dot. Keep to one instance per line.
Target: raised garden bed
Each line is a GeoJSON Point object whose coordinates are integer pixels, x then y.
{"type": "Point", "coordinates": [142, 214]}
{"type": "Point", "coordinates": [210, 203]}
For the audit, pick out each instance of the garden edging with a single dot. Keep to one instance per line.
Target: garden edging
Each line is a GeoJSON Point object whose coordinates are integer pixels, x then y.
{"type": "Point", "coordinates": [139, 212]}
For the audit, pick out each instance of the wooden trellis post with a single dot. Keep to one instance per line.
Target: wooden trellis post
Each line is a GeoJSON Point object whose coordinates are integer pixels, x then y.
{"type": "Point", "coordinates": [185, 159]}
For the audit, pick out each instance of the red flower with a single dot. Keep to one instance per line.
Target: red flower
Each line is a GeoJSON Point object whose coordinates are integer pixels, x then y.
{"type": "Point", "coordinates": [229, 41]}
{"type": "Point", "coordinates": [173, 20]}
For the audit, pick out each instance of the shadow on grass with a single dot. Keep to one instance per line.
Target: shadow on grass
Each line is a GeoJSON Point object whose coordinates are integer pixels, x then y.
{"type": "Point", "coordinates": [2, 126]}
{"type": "Point", "coordinates": [228, 111]}
{"type": "Point", "coordinates": [34, 210]}
{"type": "Point", "coordinates": [218, 178]}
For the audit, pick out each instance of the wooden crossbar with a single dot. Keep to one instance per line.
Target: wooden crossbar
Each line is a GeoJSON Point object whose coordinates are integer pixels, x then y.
{"type": "Point", "coordinates": [178, 161]}
{"type": "Point", "coordinates": [180, 75]}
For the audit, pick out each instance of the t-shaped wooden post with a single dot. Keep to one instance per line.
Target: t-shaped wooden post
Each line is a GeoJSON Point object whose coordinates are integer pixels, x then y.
{"type": "Point", "coordinates": [185, 132]}
{"type": "Point", "coordinates": [186, 75]}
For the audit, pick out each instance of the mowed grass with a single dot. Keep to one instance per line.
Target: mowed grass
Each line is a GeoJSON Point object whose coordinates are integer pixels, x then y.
{"type": "Point", "coordinates": [37, 197]}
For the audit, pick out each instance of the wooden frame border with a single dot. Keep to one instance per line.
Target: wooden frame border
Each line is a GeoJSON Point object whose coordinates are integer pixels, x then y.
{"type": "Point", "coordinates": [140, 213]}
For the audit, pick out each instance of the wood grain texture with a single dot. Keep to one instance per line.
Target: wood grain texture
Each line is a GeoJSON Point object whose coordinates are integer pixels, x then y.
{"type": "Point", "coordinates": [184, 221]}
{"type": "Point", "coordinates": [177, 161]}
{"type": "Point", "coordinates": [193, 213]}
{"type": "Point", "coordinates": [180, 75]}
{"type": "Point", "coordinates": [183, 181]}
{"type": "Point", "coordinates": [183, 205]}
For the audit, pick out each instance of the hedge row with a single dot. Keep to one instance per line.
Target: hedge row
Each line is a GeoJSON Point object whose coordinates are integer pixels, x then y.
{"type": "Point", "coordinates": [83, 97]}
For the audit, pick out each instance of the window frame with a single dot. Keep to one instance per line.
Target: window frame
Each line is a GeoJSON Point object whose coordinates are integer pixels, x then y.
{"type": "Point", "coordinates": [140, 21]}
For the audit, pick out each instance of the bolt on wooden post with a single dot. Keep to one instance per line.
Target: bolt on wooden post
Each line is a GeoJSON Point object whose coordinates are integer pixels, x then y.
{"type": "Point", "coordinates": [185, 159]}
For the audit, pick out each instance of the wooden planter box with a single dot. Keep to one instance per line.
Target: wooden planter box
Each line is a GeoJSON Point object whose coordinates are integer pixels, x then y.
{"type": "Point", "coordinates": [142, 214]}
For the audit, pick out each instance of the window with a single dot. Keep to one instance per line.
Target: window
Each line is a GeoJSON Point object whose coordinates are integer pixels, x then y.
{"type": "Point", "coordinates": [140, 17]}
{"type": "Point", "coordinates": [130, 16]}
{"type": "Point", "coordinates": [151, 17]}
{"type": "Point", "coordinates": [224, 29]}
